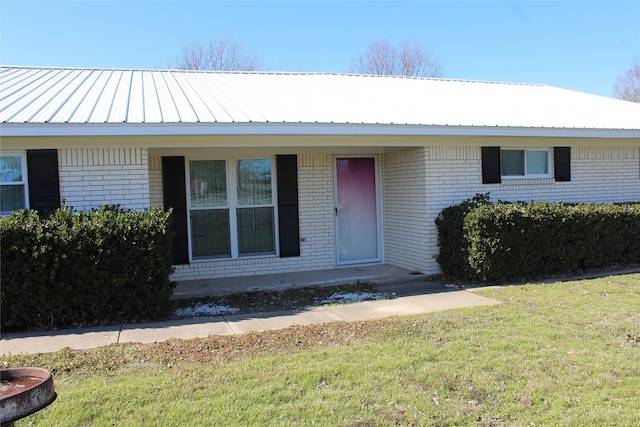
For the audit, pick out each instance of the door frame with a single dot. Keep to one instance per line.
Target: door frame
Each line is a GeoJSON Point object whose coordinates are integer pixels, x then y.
{"type": "Point", "coordinates": [379, 222]}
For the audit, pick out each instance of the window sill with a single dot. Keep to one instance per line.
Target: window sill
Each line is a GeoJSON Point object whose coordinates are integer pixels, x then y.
{"type": "Point", "coordinates": [526, 181]}
{"type": "Point", "coordinates": [229, 259]}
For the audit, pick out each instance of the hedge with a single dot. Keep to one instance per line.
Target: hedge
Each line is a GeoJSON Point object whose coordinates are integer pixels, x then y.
{"type": "Point", "coordinates": [504, 241]}
{"type": "Point", "coordinates": [78, 268]}
{"type": "Point", "coordinates": [454, 252]}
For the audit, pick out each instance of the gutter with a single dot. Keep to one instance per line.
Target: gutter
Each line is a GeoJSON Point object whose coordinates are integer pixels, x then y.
{"type": "Point", "coordinates": [344, 129]}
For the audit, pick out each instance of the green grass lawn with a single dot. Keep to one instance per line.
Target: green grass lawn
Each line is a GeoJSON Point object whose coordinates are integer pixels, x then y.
{"type": "Point", "coordinates": [565, 354]}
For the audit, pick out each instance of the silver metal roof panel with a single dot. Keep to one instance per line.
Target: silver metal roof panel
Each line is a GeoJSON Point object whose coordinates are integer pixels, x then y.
{"type": "Point", "coordinates": [32, 96]}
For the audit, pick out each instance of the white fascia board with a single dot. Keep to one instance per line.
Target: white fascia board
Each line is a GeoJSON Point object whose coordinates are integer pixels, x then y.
{"type": "Point", "coordinates": [143, 129]}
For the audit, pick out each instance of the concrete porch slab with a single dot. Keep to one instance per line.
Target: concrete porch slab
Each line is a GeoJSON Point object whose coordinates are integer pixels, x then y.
{"type": "Point", "coordinates": [380, 274]}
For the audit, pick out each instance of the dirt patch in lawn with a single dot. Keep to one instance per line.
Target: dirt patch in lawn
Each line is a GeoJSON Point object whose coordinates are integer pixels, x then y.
{"type": "Point", "coordinates": [262, 301]}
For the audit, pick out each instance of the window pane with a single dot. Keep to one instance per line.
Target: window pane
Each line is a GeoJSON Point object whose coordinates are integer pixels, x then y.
{"type": "Point", "coordinates": [208, 180]}
{"type": "Point", "coordinates": [210, 233]}
{"type": "Point", "coordinates": [10, 169]}
{"type": "Point", "coordinates": [512, 162]}
{"type": "Point", "coordinates": [254, 182]}
{"type": "Point", "coordinates": [255, 231]}
{"type": "Point", "coordinates": [537, 162]}
{"type": "Point", "coordinates": [11, 198]}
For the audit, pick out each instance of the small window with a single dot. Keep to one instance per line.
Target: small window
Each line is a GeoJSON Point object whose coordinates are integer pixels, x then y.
{"type": "Point", "coordinates": [524, 163]}
{"type": "Point", "coordinates": [12, 183]}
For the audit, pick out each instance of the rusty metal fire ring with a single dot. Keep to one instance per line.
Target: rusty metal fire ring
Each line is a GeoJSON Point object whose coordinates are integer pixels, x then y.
{"type": "Point", "coordinates": [24, 391]}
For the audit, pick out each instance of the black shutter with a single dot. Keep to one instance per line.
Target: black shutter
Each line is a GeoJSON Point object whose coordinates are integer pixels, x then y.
{"type": "Point", "coordinates": [562, 163]}
{"type": "Point", "coordinates": [491, 165]}
{"type": "Point", "coordinates": [44, 183]}
{"type": "Point", "coordinates": [288, 222]}
{"type": "Point", "coordinates": [175, 197]}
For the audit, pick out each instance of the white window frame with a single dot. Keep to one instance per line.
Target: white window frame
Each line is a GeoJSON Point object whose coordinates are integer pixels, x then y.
{"type": "Point", "coordinates": [25, 177]}
{"type": "Point", "coordinates": [232, 207]}
{"type": "Point", "coordinates": [527, 175]}
{"type": "Point", "coordinates": [191, 208]}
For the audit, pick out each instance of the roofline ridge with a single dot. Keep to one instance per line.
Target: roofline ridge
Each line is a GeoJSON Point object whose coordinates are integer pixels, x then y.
{"type": "Point", "coordinates": [271, 72]}
{"type": "Point", "coordinates": [173, 69]}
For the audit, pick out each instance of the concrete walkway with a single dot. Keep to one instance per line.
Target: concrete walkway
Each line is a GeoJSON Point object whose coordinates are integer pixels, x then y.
{"type": "Point", "coordinates": [415, 296]}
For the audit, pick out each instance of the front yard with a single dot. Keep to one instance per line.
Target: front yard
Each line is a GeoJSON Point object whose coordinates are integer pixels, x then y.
{"type": "Point", "coordinates": [551, 354]}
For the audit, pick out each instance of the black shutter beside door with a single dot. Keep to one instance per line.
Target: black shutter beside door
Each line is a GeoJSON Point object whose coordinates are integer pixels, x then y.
{"type": "Point", "coordinates": [44, 181]}
{"type": "Point", "coordinates": [288, 221]}
{"type": "Point", "coordinates": [175, 197]}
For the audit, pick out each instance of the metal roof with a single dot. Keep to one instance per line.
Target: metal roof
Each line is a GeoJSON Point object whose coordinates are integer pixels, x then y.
{"type": "Point", "coordinates": [36, 100]}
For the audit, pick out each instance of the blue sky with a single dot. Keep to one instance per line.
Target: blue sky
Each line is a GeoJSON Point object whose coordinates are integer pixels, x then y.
{"type": "Point", "coordinates": [579, 45]}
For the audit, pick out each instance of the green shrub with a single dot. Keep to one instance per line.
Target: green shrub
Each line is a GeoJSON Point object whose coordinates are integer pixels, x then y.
{"type": "Point", "coordinates": [77, 268]}
{"type": "Point", "coordinates": [519, 241]}
{"type": "Point", "coordinates": [454, 252]}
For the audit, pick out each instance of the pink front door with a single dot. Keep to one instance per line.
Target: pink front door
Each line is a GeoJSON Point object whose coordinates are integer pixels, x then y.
{"type": "Point", "coordinates": [356, 210]}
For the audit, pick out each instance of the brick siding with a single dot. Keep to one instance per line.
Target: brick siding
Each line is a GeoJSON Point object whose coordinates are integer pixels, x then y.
{"type": "Point", "coordinates": [90, 177]}
{"type": "Point", "coordinates": [406, 239]}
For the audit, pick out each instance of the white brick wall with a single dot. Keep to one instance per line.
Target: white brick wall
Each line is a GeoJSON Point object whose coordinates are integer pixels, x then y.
{"type": "Point", "coordinates": [406, 238]}
{"type": "Point", "coordinates": [315, 197]}
{"type": "Point", "coordinates": [90, 177]}
{"type": "Point", "coordinates": [155, 181]}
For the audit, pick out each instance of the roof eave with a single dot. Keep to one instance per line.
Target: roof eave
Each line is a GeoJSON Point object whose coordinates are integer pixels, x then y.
{"type": "Point", "coordinates": [168, 129]}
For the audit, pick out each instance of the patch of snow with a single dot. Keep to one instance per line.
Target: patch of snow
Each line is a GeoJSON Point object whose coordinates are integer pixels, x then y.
{"type": "Point", "coordinates": [201, 310]}
{"type": "Point", "coordinates": [341, 298]}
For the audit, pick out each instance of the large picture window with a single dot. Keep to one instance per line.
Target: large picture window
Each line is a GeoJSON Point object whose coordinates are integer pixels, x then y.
{"type": "Point", "coordinates": [525, 163]}
{"type": "Point", "coordinates": [12, 183]}
{"type": "Point", "coordinates": [231, 208]}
